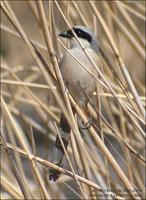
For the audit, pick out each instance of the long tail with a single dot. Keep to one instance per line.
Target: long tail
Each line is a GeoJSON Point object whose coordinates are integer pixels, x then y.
{"type": "Point", "coordinates": [58, 152]}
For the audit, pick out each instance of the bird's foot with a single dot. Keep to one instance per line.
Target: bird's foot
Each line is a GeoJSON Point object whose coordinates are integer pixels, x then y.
{"type": "Point", "coordinates": [88, 124]}
{"type": "Point", "coordinates": [66, 84]}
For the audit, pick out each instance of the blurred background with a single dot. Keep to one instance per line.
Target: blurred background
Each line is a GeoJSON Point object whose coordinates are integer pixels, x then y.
{"type": "Point", "coordinates": [125, 21]}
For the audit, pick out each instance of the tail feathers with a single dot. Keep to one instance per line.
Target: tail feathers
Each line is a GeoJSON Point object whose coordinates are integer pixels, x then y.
{"type": "Point", "coordinates": [58, 151]}
{"type": "Point", "coordinates": [58, 160]}
{"type": "Point", "coordinates": [58, 155]}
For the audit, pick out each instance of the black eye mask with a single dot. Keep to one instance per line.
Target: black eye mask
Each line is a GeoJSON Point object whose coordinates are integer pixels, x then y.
{"type": "Point", "coordinates": [82, 34]}
{"type": "Point", "coordinates": [79, 32]}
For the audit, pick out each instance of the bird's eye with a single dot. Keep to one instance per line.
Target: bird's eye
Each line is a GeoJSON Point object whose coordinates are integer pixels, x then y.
{"type": "Point", "coordinates": [79, 32]}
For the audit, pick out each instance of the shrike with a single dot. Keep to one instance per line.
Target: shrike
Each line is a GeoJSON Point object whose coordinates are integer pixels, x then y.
{"type": "Point", "coordinates": [80, 83]}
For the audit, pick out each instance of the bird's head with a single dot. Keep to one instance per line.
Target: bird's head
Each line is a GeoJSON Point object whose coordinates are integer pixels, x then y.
{"type": "Point", "coordinates": [84, 34]}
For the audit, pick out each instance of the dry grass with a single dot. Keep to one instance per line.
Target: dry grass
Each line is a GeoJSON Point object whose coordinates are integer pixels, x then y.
{"type": "Point", "coordinates": [103, 162]}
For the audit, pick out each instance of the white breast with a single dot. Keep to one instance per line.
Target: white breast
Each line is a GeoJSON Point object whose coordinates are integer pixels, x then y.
{"type": "Point", "coordinates": [78, 80]}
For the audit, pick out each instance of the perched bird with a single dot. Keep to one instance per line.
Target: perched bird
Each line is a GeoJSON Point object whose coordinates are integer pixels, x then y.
{"type": "Point", "coordinates": [80, 83]}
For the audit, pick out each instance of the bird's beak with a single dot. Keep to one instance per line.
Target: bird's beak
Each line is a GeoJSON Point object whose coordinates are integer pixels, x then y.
{"type": "Point", "coordinates": [65, 34]}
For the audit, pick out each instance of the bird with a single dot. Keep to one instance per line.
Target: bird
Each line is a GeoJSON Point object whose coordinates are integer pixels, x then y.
{"type": "Point", "coordinates": [80, 83]}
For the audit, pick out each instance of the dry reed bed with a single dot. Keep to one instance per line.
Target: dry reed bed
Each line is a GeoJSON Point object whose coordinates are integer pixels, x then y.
{"type": "Point", "coordinates": [109, 158]}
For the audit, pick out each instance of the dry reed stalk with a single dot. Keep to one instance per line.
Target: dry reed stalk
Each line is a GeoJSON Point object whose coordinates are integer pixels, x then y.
{"type": "Point", "coordinates": [69, 161]}
{"type": "Point", "coordinates": [119, 59]}
{"type": "Point", "coordinates": [48, 164]}
{"type": "Point", "coordinates": [119, 141]}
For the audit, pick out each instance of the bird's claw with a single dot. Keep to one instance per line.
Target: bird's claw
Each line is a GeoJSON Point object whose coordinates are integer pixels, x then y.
{"type": "Point", "coordinates": [88, 124]}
